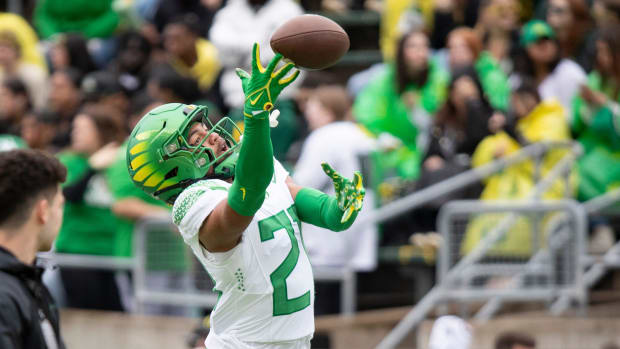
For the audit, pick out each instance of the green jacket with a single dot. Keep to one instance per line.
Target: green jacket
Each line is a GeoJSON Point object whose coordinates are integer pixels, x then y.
{"type": "Point", "coordinates": [89, 226]}
{"type": "Point", "coordinates": [494, 81]}
{"type": "Point", "coordinates": [380, 108]}
{"type": "Point", "coordinates": [94, 19]}
{"type": "Point", "coordinates": [598, 130]}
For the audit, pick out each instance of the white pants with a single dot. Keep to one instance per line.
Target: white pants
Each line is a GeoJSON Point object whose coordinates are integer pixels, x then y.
{"type": "Point", "coordinates": [224, 341]}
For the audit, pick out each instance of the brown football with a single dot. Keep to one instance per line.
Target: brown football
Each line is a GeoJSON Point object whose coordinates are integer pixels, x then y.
{"type": "Point", "coordinates": [310, 41]}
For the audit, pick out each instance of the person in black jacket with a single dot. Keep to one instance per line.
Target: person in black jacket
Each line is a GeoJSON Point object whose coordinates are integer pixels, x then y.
{"type": "Point", "coordinates": [31, 205]}
{"type": "Point", "coordinates": [458, 127]}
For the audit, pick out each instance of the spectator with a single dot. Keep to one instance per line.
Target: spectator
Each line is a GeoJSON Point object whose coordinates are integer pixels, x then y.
{"type": "Point", "coordinates": [71, 51]}
{"type": "Point", "coordinates": [103, 88]}
{"type": "Point", "coordinates": [457, 129]}
{"type": "Point", "coordinates": [606, 12]}
{"type": "Point", "coordinates": [97, 131]}
{"type": "Point", "coordinates": [401, 100]}
{"type": "Point", "coordinates": [515, 341]}
{"type": "Point", "coordinates": [32, 205]}
{"type": "Point", "coordinates": [499, 29]}
{"type": "Point", "coordinates": [338, 141]}
{"type": "Point", "coordinates": [39, 129]}
{"type": "Point", "coordinates": [93, 19]}
{"type": "Point", "coordinates": [400, 17]}
{"type": "Point", "coordinates": [594, 122]}
{"type": "Point", "coordinates": [65, 100]}
{"type": "Point", "coordinates": [190, 55]}
{"type": "Point", "coordinates": [459, 125]}
{"type": "Point", "coordinates": [26, 37]}
{"type": "Point", "coordinates": [14, 104]}
{"type": "Point", "coordinates": [335, 139]}
{"type": "Point", "coordinates": [465, 49]}
{"type": "Point", "coordinates": [540, 61]}
{"type": "Point", "coordinates": [572, 23]}
{"type": "Point", "coordinates": [132, 61]}
{"type": "Point", "coordinates": [13, 66]}
{"type": "Point", "coordinates": [536, 121]}
{"type": "Point", "coordinates": [450, 14]}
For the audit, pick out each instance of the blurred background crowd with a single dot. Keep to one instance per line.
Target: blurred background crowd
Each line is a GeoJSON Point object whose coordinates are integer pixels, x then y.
{"type": "Point", "coordinates": [430, 89]}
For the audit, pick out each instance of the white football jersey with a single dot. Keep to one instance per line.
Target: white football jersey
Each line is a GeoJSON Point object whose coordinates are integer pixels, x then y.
{"type": "Point", "coordinates": [265, 283]}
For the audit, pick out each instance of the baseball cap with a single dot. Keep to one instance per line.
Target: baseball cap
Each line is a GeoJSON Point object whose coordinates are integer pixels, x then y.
{"type": "Point", "coordinates": [100, 84]}
{"type": "Point", "coordinates": [535, 30]}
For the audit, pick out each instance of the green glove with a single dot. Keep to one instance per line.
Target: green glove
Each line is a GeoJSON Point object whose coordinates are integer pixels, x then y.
{"type": "Point", "coordinates": [264, 85]}
{"type": "Point", "coordinates": [349, 195]}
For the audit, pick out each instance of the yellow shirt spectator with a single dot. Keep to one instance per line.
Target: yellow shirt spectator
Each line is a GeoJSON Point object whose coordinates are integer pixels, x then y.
{"type": "Point", "coordinates": [190, 54]}
{"type": "Point", "coordinates": [207, 64]}
{"type": "Point", "coordinates": [26, 37]}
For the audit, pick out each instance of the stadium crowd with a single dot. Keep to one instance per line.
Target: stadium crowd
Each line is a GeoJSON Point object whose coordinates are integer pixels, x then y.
{"type": "Point", "coordinates": [462, 83]}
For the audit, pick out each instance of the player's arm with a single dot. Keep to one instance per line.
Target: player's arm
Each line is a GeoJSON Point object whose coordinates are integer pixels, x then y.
{"type": "Point", "coordinates": [334, 213]}
{"type": "Point", "coordinates": [222, 229]}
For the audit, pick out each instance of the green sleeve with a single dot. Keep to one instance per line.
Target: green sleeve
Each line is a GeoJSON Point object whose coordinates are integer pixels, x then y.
{"type": "Point", "coordinates": [435, 90]}
{"type": "Point", "coordinates": [371, 105]}
{"type": "Point", "coordinates": [380, 109]}
{"type": "Point", "coordinates": [494, 81]}
{"type": "Point", "coordinates": [605, 123]}
{"type": "Point", "coordinates": [76, 165]}
{"type": "Point", "coordinates": [320, 209]}
{"type": "Point", "coordinates": [578, 123]}
{"type": "Point", "coordinates": [254, 168]}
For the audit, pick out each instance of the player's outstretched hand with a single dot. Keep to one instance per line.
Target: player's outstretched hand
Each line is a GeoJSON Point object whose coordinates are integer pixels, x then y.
{"type": "Point", "coordinates": [350, 194]}
{"type": "Point", "coordinates": [264, 85]}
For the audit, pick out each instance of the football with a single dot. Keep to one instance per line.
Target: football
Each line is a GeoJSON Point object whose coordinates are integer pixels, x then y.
{"type": "Point", "coordinates": [310, 41]}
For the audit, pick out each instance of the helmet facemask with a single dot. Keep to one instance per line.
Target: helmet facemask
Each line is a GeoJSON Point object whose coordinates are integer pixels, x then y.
{"type": "Point", "coordinates": [204, 156]}
{"type": "Point", "coordinates": [207, 164]}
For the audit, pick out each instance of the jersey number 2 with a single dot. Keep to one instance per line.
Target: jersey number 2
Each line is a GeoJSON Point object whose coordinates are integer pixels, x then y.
{"type": "Point", "coordinates": [266, 227]}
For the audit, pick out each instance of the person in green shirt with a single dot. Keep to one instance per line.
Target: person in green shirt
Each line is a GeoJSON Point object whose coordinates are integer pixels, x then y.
{"type": "Point", "coordinates": [596, 119]}
{"type": "Point", "coordinates": [464, 49]}
{"type": "Point", "coordinates": [89, 225]}
{"type": "Point", "coordinates": [401, 100]}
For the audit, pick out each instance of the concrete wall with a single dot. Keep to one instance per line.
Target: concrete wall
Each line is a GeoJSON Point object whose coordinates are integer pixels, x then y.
{"type": "Point", "coordinates": [109, 330]}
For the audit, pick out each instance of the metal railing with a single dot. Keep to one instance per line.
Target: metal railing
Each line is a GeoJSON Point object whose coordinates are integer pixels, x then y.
{"type": "Point", "coordinates": [453, 281]}
{"type": "Point", "coordinates": [595, 267]}
{"type": "Point", "coordinates": [421, 197]}
{"type": "Point", "coordinates": [187, 294]}
{"type": "Point", "coordinates": [450, 274]}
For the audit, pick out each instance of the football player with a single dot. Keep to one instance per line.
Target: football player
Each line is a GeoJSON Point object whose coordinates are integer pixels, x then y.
{"type": "Point", "coordinates": [240, 212]}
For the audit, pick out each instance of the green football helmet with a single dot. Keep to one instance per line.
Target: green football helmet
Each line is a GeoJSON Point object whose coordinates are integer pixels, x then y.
{"type": "Point", "coordinates": [161, 160]}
